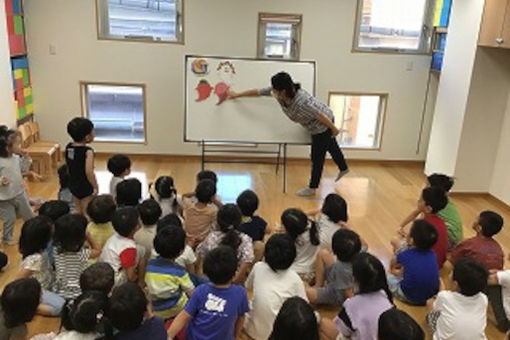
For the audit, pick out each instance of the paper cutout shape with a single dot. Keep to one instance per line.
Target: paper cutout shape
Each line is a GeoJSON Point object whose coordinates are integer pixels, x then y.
{"type": "Point", "coordinates": [204, 90]}
{"type": "Point", "coordinates": [221, 90]}
{"type": "Point", "coordinates": [200, 66]}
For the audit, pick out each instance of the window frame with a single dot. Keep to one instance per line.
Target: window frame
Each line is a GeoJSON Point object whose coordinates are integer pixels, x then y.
{"type": "Point", "coordinates": [261, 43]}
{"type": "Point", "coordinates": [381, 118]}
{"type": "Point", "coordinates": [84, 100]}
{"type": "Point", "coordinates": [101, 21]}
{"type": "Point", "coordinates": [427, 26]}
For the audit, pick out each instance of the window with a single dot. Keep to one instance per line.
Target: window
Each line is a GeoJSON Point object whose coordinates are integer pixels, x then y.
{"type": "Point", "coordinates": [393, 25]}
{"type": "Point", "coordinates": [359, 118]}
{"type": "Point", "coordinates": [279, 36]}
{"type": "Point", "coordinates": [145, 20]}
{"type": "Point", "coordinates": [117, 111]}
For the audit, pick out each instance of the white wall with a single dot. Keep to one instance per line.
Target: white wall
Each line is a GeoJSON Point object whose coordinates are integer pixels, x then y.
{"type": "Point", "coordinates": [219, 27]}
{"type": "Point", "coordinates": [7, 109]}
{"type": "Point", "coordinates": [500, 186]}
{"type": "Point", "coordinates": [454, 86]}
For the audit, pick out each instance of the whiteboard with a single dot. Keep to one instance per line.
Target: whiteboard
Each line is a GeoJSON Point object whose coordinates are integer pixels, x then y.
{"type": "Point", "coordinates": [245, 120]}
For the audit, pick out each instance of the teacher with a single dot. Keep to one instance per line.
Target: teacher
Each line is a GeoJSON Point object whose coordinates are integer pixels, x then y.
{"type": "Point", "coordinates": [316, 117]}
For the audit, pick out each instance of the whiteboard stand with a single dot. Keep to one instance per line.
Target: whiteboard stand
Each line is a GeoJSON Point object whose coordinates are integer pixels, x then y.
{"type": "Point", "coordinates": [212, 152]}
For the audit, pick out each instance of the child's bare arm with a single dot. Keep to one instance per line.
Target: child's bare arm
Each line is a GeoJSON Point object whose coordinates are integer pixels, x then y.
{"type": "Point", "coordinates": [179, 323]}
{"type": "Point", "coordinates": [493, 278]}
{"type": "Point", "coordinates": [190, 268]}
{"type": "Point", "coordinates": [24, 273]}
{"type": "Point", "coordinates": [239, 327]}
{"type": "Point", "coordinates": [412, 216]}
{"type": "Point", "coordinates": [131, 274]}
{"type": "Point", "coordinates": [95, 250]}
{"type": "Point", "coordinates": [216, 201]}
{"type": "Point", "coordinates": [241, 273]}
{"type": "Point", "coordinates": [89, 170]}
{"type": "Point", "coordinates": [141, 269]}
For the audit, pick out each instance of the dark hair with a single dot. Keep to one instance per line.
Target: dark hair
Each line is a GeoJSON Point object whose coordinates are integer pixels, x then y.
{"type": "Point", "coordinates": [149, 211]}
{"type": "Point", "coordinates": [168, 220]}
{"type": "Point", "coordinates": [19, 301]}
{"type": "Point", "coordinates": [127, 306]}
{"type": "Point", "coordinates": [118, 164]}
{"type": "Point", "coordinates": [164, 186]}
{"type": "Point", "coordinates": [207, 174]}
{"type": "Point", "coordinates": [435, 198]}
{"type": "Point", "coordinates": [369, 273]}
{"type": "Point", "coordinates": [424, 234]}
{"type": "Point", "coordinates": [280, 252]}
{"type": "Point", "coordinates": [54, 209]}
{"type": "Point", "coordinates": [470, 275]}
{"type": "Point", "coordinates": [101, 209]}
{"type": "Point", "coordinates": [170, 242]}
{"type": "Point", "coordinates": [491, 223]}
{"type": "Point", "coordinates": [335, 208]}
{"type": "Point", "coordinates": [129, 192]}
{"type": "Point", "coordinates": [283, 81]}
{"type": "Point", "coordinates": [35, 235]}
{"type": "Point", "coordinates": [441, 181]}
{"type": "Point", "coordinates": [70, 233]}
{"type": "Point", "coordinates": [81, 314]}
{"type": "Point", "coordinates": [220, 265]}
{"type": "Point", "coordinates": [125, 221]}
{"type": "Point", "coordinates": [229, 219]}
{"type": "Point", "coordinates": [248, 202]}
{"type": "Point", "coordinates": [79, 128]}
{"type": "Point", "coordinates": [296, 223]}
{"type": "Point", "coordinates": [205, 191]}
{"type": "Point", "coordinates": [4, 260]}
{"type": "Point", "coordinates": [395, 324]}
{"type": "Point", "coordinates": [346, 244]}
{"type": "Point", "coordinates": [98, 276]}
{"type": "Point", "coordinates": [6, 140]}
{"type": "Point", "coordinates": [63, 176]}
{"type": "Point", "coordinates": [295, 320]}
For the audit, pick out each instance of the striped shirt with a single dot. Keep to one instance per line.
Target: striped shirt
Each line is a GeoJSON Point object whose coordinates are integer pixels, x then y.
{"type": "Point", "coordinates": [68, 268]}
{"type": "Point", "coordinates": [304, 110]}
{"type": "Point", "coordinates": [167, 283]}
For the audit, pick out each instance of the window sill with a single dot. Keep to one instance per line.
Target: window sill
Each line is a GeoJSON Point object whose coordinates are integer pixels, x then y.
{"type": "Point", "coordinates": [141, 40]}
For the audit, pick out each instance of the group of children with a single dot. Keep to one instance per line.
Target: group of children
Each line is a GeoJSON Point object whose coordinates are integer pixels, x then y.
{"type": "Point", "coordinates": [179, 266]}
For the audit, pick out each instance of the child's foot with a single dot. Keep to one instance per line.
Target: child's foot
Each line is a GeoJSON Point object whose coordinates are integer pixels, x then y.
{"type": "Point", "coordinates": [306, 192]}
{"type": "Point", "coordinates": [341, 174]}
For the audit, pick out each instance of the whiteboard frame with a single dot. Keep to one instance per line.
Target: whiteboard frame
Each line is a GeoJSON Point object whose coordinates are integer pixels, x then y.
{"type": "Point", "coordinates": [188, 56]}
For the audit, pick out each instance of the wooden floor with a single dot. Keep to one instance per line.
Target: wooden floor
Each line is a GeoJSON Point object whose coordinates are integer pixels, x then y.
{"type": "Point", "coordinates": [379, 195]}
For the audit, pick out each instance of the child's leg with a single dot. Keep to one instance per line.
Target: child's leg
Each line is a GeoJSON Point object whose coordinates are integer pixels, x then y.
{"type": "Point", "coordinates": [495, 296]}
{"type": "Point", "coordinates": [51, 304]}
{"type": "Point", "coordinates": [325, 259]}
{"type": "Point", "coordinates": [77, 205]}
{"type": "Point", "coordinates": [328, 329]}
{"type": "Point", "coordinates": [8, 216]}
{"type": "Point", "coordinates": [84, 203]}
{"type": "Point", "coordinates": [23, 206]}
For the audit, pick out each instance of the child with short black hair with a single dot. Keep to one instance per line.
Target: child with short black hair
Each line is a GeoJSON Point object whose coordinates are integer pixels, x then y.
{"type": "Point", "coordinates": [19, 302]}
{"type": "Point", "coordinates": [483, 248]}
{"type": "Point", "coordinates": [129, 192]}
{"type": "Point", "coordinates": [432, 200]}
{"type": "Point", "coordinates": [64, 193]}
{"type": "Point", "coordinates": [150, 212]}
{"type": "Point", "coordinates": [71, 257]}
{"type": "Point", "coordinates": [333, 217]}
{"type": "Point", "coordinates": [200, 215]}
{"type": "Point", "coordinates": [120, 251]}
{"type": "Point", "coordinates": [215, 310]}
{"type": "Point", "coordinates": [414, 272]}
{"type": "Point", "coordinates": [34, 238]}
{"type": "Point", "coordinates": [100, 210]}
{"type": "Point", "coordinates": [207, 174]}
{"type": "Point", "coordinates": [170, 298]}
{"type": "Point", "coordinates": [120, 166]}
{"type": "Point", "coordinates": [333, 279]}
{"type": "Point", "coordinates": [395, 324]}
{"type": "Point", "coordinates": [13, 196]}
{"type": "Point", "coordinates": [54, 209]}
{"type": "Point", "coordinates": [359, 317]}
{"type": "Point", "coordinates": [98, 277]}
{"type": "Point", "coordinates": [164, 192]}
{"type": "Point", "coordinates": [462, 312]}
{"type": "Point", "coordinates": [130, 313]}
{"type": "Point", "coordinates": [252, 225]}
{"type": "Point", "coordinates": [272, 282]}
{"type": "Point", "coordinates": [296, 320]}
{"type": "Point", "coordinates": [229, 219]}
{"type": "Point", "coordinates": [305, 234]}
{"type": "Point", "coordinates": [80, 163]}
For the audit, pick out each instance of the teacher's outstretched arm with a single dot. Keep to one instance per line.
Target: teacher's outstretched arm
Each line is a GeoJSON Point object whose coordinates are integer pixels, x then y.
{"type": "Point", "coordinates": [247, 93]}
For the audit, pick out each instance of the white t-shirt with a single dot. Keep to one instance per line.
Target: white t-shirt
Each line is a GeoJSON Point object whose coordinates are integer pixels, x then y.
{"type": "Point", "coordinates": [270, 290]}
{"type": "Point", "coordinates": [186, 258]}
{"type": "Point", "coordinates": [462, 317]}
{"type": "Point", "coordinates": [306, 253]}
{"type": "Point", "coordinates": [504, 281]}
{"type": "Point", "coordinates": [326, 230]}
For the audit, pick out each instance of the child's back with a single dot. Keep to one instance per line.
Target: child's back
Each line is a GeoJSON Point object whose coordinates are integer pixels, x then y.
{"type": "Point", "coordinates": [451, 217]}
{"type": "Point", "coordinates": [421, 276]}
{"type": "Point", "coordinates": [333, 213]}
{"type": "Point", "coordinates": [440, 248]}
{"type": "Point", "coordinates": [200, 216]}
{"type": "Point", "coordinates": [252, 225]}
{"type": "Point", "coordinates": [100, 211]}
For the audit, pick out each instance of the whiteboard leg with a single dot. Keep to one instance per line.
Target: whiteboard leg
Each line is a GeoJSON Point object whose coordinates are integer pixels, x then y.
{"type": "Point", "coordinates": [203, 155]}
{"type": "Point", "coordinates": [278, 158]}
{"type": "Point", "coordinates": [284, 168]}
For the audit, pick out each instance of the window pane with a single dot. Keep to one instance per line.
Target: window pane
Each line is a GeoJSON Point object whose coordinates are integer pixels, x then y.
{"type": "Point", "coordinates": [278, 39]}
{"type": "Point", "coordinates": [117, 112]}
{"type": "Point", "coordinates": [358, 118]}
{"type": "Point", "coordinates": [392, 24]}
{"type": "Point", "coordinates": [158, 19]}
{"type": "Point", "coordinates": [279, 36]}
